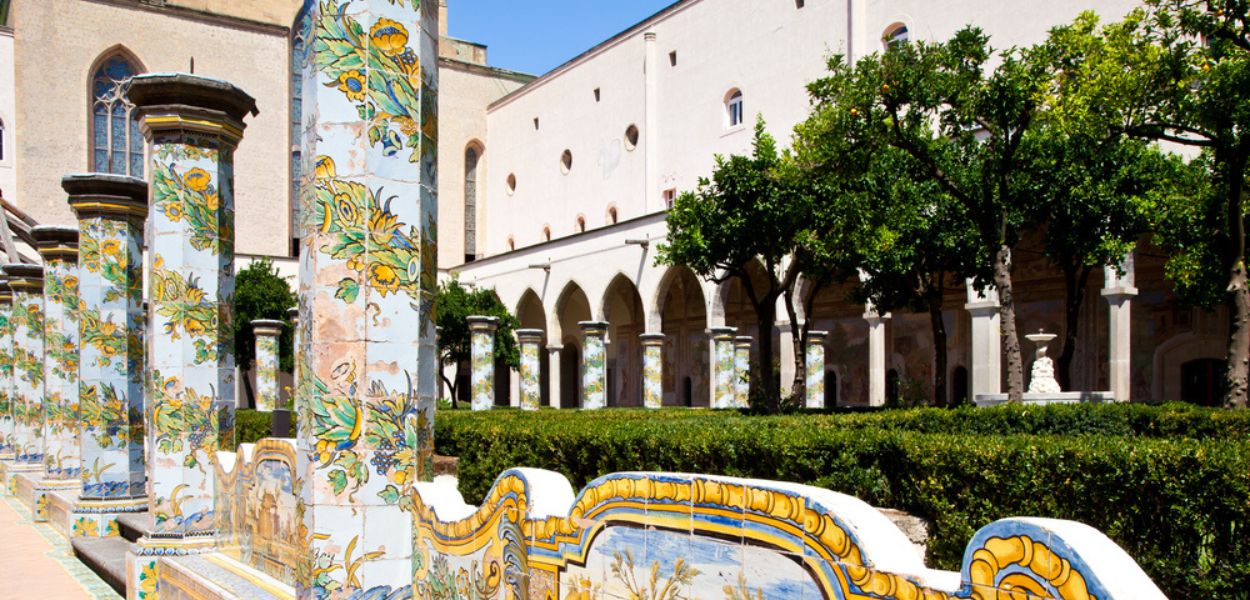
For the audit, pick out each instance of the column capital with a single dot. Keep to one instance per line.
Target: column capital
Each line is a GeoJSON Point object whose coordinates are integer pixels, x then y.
{"type": "Point", "coordinates": [982, 308]}
{"type": "Point", "coordinates": [873, 318]}
{"type": "Point", "coordinates": [530, 336]}
{"type": "Point", "coordinates": [56, 242]}
{"type": "Point", "coordinates": [743, 340]}
{"type": "Point", "coordinates": [267, 327]}
{"type": "Point", "coordinates": [482, 323]}
{"type": "Point", "coordinates": [554, 349]}
{"type": "Point", "coordinates": [185, 103]}
{"type": "Point", "coordinates": [818, 337]}
{"type": "Point", "coordinates": [24, 278]}
{"type": "Point", "coordinates": [722, 332]}
{"type": "Point", "coordinates": [93, 195]}
{"type": "Point", "coordinates": [651, 339]}
{"type": "Point", "coordinates": [293, 315]}
{"type": "Point", "coordinates": [593, 327]}
{"type": "Point", "coordinates": [1116, 294]}
{"type": "Point", "coordinates": [6, 293]}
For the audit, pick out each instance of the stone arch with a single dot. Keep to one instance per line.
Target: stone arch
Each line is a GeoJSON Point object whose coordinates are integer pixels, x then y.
{"type": "Point", "coordinates": [572, 306]}
{"type": "Point", "coordinates": [474, 156]}
{"type": "Point", "coordinates": [622, 308]}
{"type": "Point", "coordinates": [681, 314]}
{"type": "Point", "coordinates": [532, 315]}
{"type": "Point", "coordinates": [1172, 354]}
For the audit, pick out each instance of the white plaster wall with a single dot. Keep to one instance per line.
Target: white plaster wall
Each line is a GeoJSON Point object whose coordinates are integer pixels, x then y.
{"type": "Point", "coordinates": [58, 41]}
{"type": "Point", "coordinates": [770, 50]}
{"type": "Point", "coordinates": [8, 113]}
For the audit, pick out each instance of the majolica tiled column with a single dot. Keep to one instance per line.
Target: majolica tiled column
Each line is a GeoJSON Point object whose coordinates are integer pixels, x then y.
{"type": "Point", "coordinates": [482, 362]}
{"type": "Point", "coordinates": [814, 359]}
{"type": "Point", "coordinates": [722, 366]}
{"type": "Point", "coordinates": [367, 284]}
{"type": "Point", "coordinates": [6, 376]}
{"type": "Point", "coordinates": [267, 332]}
{"type": "Point", "coordinates": [652, 369]}
{"type": "Point", "coordinates": [594, 364]}
{"type": "Point", "coordinates": [742, 371]}
{"type": "Point", "coordinates": [297, 350]}
{"type": "Point", "coordinates": [59, 248]}
{"type": "Point", "coordinates": [26, 281]}
{"type": "Point", "coordinates": [110, 210]}
{"type": "Point", "coordinates": [530, 342]}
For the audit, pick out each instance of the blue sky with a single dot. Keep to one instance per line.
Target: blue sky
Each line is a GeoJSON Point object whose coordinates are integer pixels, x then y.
{"type": "Point", "coordinates": [540, 35]}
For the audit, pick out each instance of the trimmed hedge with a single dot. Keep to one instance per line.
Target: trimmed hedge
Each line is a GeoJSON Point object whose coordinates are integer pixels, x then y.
{"type": "Point", "coordinates": [1176, 504]}
{"type": "Point", "coordinates": [252, 426]}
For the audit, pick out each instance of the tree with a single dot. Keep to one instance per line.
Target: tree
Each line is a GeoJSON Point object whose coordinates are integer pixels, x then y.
{"type": "Point", "coordinates": [745, 213]}
{"type": "Point", "coordinates": [964, 112]}
{"type": "Point", "coordinates": [261, 293]}
{"type": "Point", "coordinates": [1178, 72]}
{"type": "Point", "coordinates": [886, 221]}
{"type": "Point", "coordinates": [453, 306]}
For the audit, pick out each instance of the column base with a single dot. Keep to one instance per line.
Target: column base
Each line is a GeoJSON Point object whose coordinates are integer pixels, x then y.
{"type": "Point", "coordinates": [97, 517]}
{"type": "Point", "coordinates": [9, 472]}
{"type": "Point", "coordinates": [41, 495]}
{"type": "Point", "coordinates": [144, 556]}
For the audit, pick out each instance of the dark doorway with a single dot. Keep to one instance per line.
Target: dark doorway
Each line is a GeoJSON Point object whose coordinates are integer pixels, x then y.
{"type": "Point", "coordinates": [891, 386]}
{"type": "Point", "coordinates": [959, 386]}
{"type": "Point", "coordinates": [1202, 381]}
{"type": "Point", "coordinates": [570, 376]}
{"type": "Point", "coordinates": [503, 384]}
{"type": "Point", "coordinates": [831, 389]}
{"type": "Point", "coordinates": [687, 391]}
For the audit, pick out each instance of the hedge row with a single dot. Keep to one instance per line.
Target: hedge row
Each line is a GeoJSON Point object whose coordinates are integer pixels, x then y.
{"type": "Point", "coordinates": [1166, 420]}
{"type": "Point", "coordinates": [1177, 505]}
{"type": "Point", "coordinates": [252, 426]}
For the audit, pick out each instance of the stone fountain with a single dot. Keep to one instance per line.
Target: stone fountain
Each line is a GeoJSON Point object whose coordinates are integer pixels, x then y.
{"type": "Point", "coordinates": [1043, 388]}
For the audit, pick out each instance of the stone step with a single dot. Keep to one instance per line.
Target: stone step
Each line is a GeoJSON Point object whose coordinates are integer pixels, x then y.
{"type": "Point", "coordinates": [135, 525]}
{"type": "Point", "coordinates": [215, 576]}
{"type": "Point", "coordinates": [105, 556]}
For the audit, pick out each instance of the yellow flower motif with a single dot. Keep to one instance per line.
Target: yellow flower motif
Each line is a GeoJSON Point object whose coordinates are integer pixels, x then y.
{"type": "Point", "coordinates": [111, 247]}
{"type": "Point", "coordinates": [71, 282]}
{"type": "Point", "coordinates": [195, 327]}
{"type": "Point", "coordinates": [399, 476]}
{"type": "Point", "coordinates": [324, 167]}
{"type": "Point", "coordinates": [197, 179]}
{"type": "Point", "coordinates": [85, 527]}
{"type": "Point", "coordinates": [173, 211]}
{"type": "Point", "coordinates": [389, 36]}
{"type": "Point", "coordinates": [383, 224]}
{"type": "Point", "coordinates": [324, 451]}
{"type": "Point", "coordinates": [158, 262]}
{"type": "Point", "coordinates": [352, 83]}
{"type": "Point", "coordinates": [211, 201]}
{"type": "Point", "coordinates": [383, 278]}
{"type": "Point", "coordinates": [346, 209]}
{"type": "Point", "coordinates": [147, 580]}
{"type": "Point", "coordinates": [194, 295]}
{"type": "Point", "coordinates": [108, 328]}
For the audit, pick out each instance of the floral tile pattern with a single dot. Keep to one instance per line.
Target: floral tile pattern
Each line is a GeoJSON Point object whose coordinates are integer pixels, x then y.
{"type": "Point", "coordinates": [653, 370]}
{"type": "Point", "coordinates": [594, 364]}
{"type": "Point", "coordinates": [7, 392]}
{"type": "Point", "coordinates": [742, 371]}
{"type": "Point", "coordinates": [266, 368]}
{"type": "Point", "coordinates": [366, 390]}
{"type": "Point", "coordinates": [62, 458]}
{"type": "Point", "coordinates": [814, 359]}
{"type": "Point", "coordinates": [482, 362]}
{"type": "Point", "coordinates": [530, 386]}
{"type": "Point", "coordinates": [723, 367]}
{"type": "Point", "coordinates": [26, 323]}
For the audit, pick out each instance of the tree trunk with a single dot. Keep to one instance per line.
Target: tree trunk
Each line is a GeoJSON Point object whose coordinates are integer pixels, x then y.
{"type": "Point", "coordinates": [766, 315]}
{"type": "Point", "coordinates": [1239, 296]}
{"type": "Point", "coordinates": [1075, 278]}
{"type": "Point", "coordinates": [933, 298]}
{"type": "Point", "coordinates": [1007, 316]}
{"type": "Point", "coordinates": [798, 388]}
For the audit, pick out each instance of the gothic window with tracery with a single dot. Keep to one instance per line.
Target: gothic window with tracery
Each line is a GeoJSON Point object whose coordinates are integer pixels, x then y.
{"type": "Point", "coordinates": [116, 145]}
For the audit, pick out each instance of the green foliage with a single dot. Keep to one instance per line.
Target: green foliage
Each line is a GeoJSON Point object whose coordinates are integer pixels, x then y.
{"type": "Point", "coordinates": [251, 426]}
{"type": "Point", "coordinates": [1171, 484]}
{"type": "Point", "coordinates": [453, 306]}
{"type": "Point", "coordinates": [261, 293]}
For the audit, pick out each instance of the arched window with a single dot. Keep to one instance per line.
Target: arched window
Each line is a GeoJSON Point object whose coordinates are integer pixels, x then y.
{"type": "Point", "coordinates": [511, 243]}
{"type": "Point", "coordinates": [470, 203]}
{"type": "Point", "coordinates": [733, 108]}
{"type": "Point", "coordinates": [611, 215]}
{"type": "Point", "coordinates": [896, 34]}
{"type": "Point", "coordinates": [116, 145]}
{"type": "Point", "coordinates": [581, 224]}
{"type": "Point", "coordinates": [546, 234]}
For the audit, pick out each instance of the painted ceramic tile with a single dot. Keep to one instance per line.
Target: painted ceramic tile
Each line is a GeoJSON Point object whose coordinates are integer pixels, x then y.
{"type": "Point", "coordinates": [482, 363]}
{"type": "Point", "coordinates": [594, 367]}
{"type": "Point", "coordinates": [652, 370]}
{"type": "Point", "coordinates": [815, 362]}
{"type": "Point", "coordinates": [530, 386]}
{"type": "Point", "coordinates": [266, 371]}
{"type": "Point", "coordinates": [723, 367]}
{"type": "Point", "coordinates": [7, 383]}
{"type": "Point", "coordinates": [27, 324]}
{"type": "Point", "coordinates": [111, 361]}
{"type": "Point", "coordinates": [365, 394]}
{"type": "Point", "coordinates": [62, 458]}
{"type": "Point", "coordinates": [742, 372]}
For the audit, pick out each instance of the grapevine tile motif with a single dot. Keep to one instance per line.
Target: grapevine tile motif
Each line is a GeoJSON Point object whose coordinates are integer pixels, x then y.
{"type": "Point", "coordinates": [367, 379]}
{"type": "Point", "coordinates": [482, 351]}
{"type": "Point", "coordinates": [27, 323]}
{"type": "Point", "coordinates": [61, 412]}
{"type": "Point", "coordinates": [6, 369]}
{"type": "Point", "coordinates": [191, 386]}
{"type": "Point", "coordinates": [266, 371]}
{"type": "Point", "coordinates": [742, 371]}
{"type": "Point", "coordinates": [594, 368]}
{"type": "Point", "coordinates": [652, 370]}
{"type": "Point", "coordinates": [110, 327]}
{"type": "Point", "coordinates": [531, 368]}
{"type": "Point", "coordinates": [814, 358]}
{"type": "Point", "coordinates": [723, 355]}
